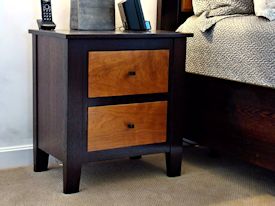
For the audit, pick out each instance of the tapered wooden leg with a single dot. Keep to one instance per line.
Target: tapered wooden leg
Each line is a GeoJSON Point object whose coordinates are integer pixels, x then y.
{"type": "Point", "coordinates": [71, 177]}
{"type": "Point", "coordinates": [173, 162]}
{"type": "Point", "coordinates": [40, 160]}
{"type": "Point", "coordinates": [136, 157]}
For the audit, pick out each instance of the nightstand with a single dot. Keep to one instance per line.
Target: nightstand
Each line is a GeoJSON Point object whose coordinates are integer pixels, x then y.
{"type": "Point", "coordinates": [107, 95]}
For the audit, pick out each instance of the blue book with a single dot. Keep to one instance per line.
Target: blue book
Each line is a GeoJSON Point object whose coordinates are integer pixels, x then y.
{"type": "Point", "coordinates": [131, 10]}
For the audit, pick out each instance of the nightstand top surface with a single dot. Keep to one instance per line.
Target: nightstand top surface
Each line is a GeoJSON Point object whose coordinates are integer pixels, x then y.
{"type": "Point", "coordinates": [74, 34]}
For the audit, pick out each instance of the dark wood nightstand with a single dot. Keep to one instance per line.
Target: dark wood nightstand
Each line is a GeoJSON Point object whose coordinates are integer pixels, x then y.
{"type": "Point", "coordinates": [107, 95]}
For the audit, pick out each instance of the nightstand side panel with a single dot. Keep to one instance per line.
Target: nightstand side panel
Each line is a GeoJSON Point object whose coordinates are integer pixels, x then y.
{"type": "Point", "coordinates": [51, 92]}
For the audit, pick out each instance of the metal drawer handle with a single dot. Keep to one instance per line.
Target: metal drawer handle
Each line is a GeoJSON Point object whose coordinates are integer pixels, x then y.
{"type": "Point", "coordinates": [132, 73]}
{"type": "Point", "coordinates": [131, 125]}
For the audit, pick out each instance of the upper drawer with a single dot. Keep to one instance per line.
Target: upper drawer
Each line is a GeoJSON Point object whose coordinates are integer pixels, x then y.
{"type": "Point", "coordinates": [118, 73]}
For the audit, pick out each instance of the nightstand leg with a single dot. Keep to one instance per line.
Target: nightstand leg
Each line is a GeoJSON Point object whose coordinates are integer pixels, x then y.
{"type": "Point", "coordinates": [40, 160]}
{"type": "Point", "coordinates": [71, 177]}
{"type": "Point", "coordinates": [173, 162]}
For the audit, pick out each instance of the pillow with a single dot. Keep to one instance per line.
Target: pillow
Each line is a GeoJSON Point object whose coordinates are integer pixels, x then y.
{"type": "Point", "coordinates": [265, 8]}
{"type": "Point", "coordinates": [223, 7]}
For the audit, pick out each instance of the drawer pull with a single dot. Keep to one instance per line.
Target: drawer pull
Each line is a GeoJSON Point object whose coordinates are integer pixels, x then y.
{"type": "Point", "coordinates": [131, 126]}
{"type": "Point", "coordinates": [132, 73]}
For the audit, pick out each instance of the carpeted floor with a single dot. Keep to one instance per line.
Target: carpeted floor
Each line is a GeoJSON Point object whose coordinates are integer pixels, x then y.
{"type": "Point", "coordinates": [204, 181]}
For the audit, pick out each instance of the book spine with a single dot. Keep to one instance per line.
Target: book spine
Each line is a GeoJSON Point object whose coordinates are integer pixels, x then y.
{"type": "Point", "coordinates": [131, 16]}
{"type": "Point", "coordinates": [140, 14]}
{"type": "Point", "coordinates": [123, 16]}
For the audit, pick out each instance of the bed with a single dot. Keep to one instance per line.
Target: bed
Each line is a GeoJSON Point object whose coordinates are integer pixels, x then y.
{"type": "Point", "coordinates": [230, 83]}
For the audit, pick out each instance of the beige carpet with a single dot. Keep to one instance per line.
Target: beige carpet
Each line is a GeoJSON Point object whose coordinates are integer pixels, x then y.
{"type": "Point", "coordinates": [204, 181]}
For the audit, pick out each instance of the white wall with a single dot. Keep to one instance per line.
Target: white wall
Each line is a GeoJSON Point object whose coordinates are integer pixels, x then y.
{"type": "Point", "coordinates": [16, 63]}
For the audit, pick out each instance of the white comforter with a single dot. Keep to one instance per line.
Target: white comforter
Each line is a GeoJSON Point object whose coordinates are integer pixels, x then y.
{"type": "Point", "coordinates": [236, 48]}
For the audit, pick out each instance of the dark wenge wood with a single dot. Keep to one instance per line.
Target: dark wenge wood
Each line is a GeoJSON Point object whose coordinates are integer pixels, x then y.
{"type": "Point", "coordinates": [127, 152]}
{"type": "Point", "coordinates": [126, 99]}
{"type": "Point", "coordinates": [61, 104]}
{"type": "Point", "coordinates": [51, 95]}
{"type": "Point", "coordinates": [176, 108]}
{"type": "Point", "coordinates": [74, 34]}
{"type": "Point", "coordinates": [40, 160]}
{"type": "Point", "coordinates": [34, 77]}
{"type": "Point", "coordinates": [173, 161]}
{"type": "Point", "coordinates": [71, 176]}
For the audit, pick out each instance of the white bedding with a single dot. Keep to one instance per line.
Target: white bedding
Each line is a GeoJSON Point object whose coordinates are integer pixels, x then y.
{"type": "Point", "coordinates": [237, 48]}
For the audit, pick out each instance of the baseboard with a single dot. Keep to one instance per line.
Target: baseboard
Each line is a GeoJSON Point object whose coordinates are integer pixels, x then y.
{"type": "Point", "coordinates": [17, 156]}
{"type": "Point", "coordinates": [20, 156]}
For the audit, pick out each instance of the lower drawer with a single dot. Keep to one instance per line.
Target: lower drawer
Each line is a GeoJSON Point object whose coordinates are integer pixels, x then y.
{"type": "Point", "coordinates": [119, 126]}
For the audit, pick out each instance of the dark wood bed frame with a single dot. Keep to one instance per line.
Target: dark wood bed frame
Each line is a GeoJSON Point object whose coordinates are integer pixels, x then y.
{"type": "Point", "coordinates": [231, 117]}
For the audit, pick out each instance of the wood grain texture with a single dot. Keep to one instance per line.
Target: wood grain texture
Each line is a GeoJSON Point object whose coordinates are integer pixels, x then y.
{"type": "Point", "coordinates": [61, 102]}
{"type": "Point", "coordinates": [109, 72]}
{"type": "Point", "coordinates": [51, 95]}
{"type": "Point", "coordinates": [186, 6]}
{"type": "Point", "coordinates": [233, 118]}
{"type": "Point", "coordinates": [108, 125]}
{"type": "Point", "coordinates": [107, 35]}
{"type": "Point", "coordinates": [40, 158]}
